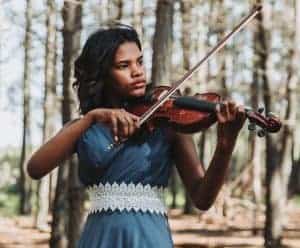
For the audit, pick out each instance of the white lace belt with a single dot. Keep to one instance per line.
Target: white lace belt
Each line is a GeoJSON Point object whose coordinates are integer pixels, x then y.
{"type": "Point", "coordinates": [127, 197]}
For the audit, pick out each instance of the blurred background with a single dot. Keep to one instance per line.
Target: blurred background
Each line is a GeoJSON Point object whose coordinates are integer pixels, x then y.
{"type": "Point", "coordinates": [259, 206]}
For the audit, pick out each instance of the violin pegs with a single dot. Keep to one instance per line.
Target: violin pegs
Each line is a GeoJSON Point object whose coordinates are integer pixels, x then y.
{"type": "Point", "coordinates": [251, 126]}
{"type": "Point", "coordinates": [261, 133]}
{"type": "Point", "coordinates": [261, 110]}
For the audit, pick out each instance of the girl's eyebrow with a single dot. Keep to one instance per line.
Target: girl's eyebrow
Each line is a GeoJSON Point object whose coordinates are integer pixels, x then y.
{"type": "Point", "coordinates": [127, 61]}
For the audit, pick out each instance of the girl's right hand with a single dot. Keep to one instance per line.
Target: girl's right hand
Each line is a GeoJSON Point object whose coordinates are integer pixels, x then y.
{"type": "Point", "coordinates": [122, 123]}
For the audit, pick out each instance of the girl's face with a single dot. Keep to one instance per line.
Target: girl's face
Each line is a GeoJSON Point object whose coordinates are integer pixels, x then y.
{"type": "Point", "coordinates": [128, 71]}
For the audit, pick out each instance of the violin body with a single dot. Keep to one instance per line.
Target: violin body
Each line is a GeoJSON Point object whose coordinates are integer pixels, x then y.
{"type": "Point", "coordinates": [181, 119]}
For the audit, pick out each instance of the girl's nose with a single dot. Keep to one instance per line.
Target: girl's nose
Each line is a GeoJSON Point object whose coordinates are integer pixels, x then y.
{"type": "Point", "coordinates": [137, 70]}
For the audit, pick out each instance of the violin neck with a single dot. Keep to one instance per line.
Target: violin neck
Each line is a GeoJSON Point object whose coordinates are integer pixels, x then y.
{"type": "Point", "coordinates": [195, 104]}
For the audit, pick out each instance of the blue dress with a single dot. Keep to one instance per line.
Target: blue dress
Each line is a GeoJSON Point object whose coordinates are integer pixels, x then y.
{"type": "Point", "coordinates": [147, 162]}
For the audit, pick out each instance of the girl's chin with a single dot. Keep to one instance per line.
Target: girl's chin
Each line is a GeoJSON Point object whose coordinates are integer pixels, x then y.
{"type": "Point", "coordinates": [137, 92]}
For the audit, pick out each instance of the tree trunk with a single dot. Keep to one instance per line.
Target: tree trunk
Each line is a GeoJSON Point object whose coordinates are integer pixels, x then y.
{"type": "Point", "coordinates": [294, 187]}
{"type": "Point", "coordinates": [273, 223]}
{"type": "Point", "coordinates": [119, 6]}
{"type": "Point", "coordinates": [254, 159]}
{"type": "Point", "coordinates": [103, 12]}
{"type": "Point", "coordinates": [204, 72]}
{"type": "Point", "coordinates": [287, 140]}
{"type": "Point", "coordinates": [67, 176]}
{"type": "Point", "coordinates": [50, 111]}
{"type": "Point", "coordinates": [72, 14]}
{"type": "Point", "coordinates": [162, 49]}
{"type": "Point", "coordinates": [76, 204]}
{"type": "Point", "coordinates": [255, 163]}
{"type": "Point", "coordinates": [201, 23]}
{"type": "Point", "coordinates": [53, 174]}
{"type": "Point", "coordinates": [137, 19]}
{"type": "Point", "coordinates": [25, 183]}
{"type": "Point", "coordinates": [186, 41]}
{"type": "Point", "coordinates": [162, 43]}
{"type": "Point", "coordinates": [221, 57]}
{"type": "Point", "coordinates": [279, 156]}
{"type": "Point", "coordinates": [58, 237]}
{"type": "Point", "coordinates": [222, 85]}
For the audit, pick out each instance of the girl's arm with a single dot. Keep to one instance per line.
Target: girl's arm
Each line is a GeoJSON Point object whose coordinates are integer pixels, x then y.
{"type": "Point", "coordinates": [62, 145]}
{"type": "Point", "coordinates": [202, 186]}
{"type": "Point", "coordinates": [58, 148]}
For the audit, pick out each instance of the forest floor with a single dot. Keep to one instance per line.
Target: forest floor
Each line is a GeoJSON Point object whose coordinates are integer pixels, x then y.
{"type": "Point", "coordinates": [189, 231]}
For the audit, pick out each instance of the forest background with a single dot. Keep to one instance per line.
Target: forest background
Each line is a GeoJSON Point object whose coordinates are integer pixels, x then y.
{"type": "Point", "coordinates": [259, 67]}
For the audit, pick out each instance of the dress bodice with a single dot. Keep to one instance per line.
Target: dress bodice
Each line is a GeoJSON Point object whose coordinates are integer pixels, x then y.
{"type": "Point", "coordinates": [145, 162]}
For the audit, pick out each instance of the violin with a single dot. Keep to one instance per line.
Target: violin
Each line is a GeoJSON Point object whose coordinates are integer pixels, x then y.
{"type": "Point", "coordinates": [190, 114]}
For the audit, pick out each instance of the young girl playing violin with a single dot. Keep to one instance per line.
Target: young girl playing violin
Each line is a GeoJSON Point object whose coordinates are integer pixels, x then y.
{"type": "Point", "coordinates": [126, 182]}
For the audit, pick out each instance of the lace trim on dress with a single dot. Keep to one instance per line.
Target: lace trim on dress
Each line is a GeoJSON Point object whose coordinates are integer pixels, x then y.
{"type": "Point", "coordinates": [127, 197]}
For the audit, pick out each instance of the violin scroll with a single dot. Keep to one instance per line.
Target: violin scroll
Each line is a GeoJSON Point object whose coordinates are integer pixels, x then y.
{"type": "Point", "coordinates": [269, 123]}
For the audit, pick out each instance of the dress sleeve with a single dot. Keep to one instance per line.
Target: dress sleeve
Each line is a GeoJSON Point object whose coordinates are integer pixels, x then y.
{"type": "Point", "coordinates": [93, 146]}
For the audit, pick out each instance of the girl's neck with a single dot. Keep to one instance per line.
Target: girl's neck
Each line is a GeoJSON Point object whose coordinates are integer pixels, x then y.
{"type": "Point", "coordinates": [112, 99]}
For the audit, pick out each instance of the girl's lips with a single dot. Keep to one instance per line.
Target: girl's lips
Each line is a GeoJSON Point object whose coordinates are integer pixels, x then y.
{"type": "Point", "coordinates": [139, 84]}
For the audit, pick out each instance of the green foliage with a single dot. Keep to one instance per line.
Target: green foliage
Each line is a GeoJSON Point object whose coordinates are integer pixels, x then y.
{"type": "Point", "coordinates": [179, 189]}
{"type": "Point", "coordinates": [296, 200]}
{"type": "Point", "coordinates": [9, 202]}
{"type": "Point", "coordinates": [11, 156]}
{"type": "Point", "coordinates": [180, 198]}
{"type": "Point", "coordinates": [9, 172]}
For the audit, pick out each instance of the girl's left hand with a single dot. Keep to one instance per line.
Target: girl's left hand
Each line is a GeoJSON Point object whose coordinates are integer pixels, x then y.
{"type": "Point", "coordinates": [231, 119]}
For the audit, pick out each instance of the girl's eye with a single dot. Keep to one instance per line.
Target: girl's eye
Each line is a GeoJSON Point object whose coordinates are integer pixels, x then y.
{"type": "Point", "coordinates": [141, 62]}
{"type": "Point", "coordinates": [122, 66]}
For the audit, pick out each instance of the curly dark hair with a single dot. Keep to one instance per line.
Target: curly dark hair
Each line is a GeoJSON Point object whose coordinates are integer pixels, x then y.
{"type": "Point", "coordinates": [93, 65]}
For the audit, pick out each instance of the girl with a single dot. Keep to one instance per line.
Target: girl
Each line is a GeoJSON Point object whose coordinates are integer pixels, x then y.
{"type": "Point", "coordinates": [126, 182]}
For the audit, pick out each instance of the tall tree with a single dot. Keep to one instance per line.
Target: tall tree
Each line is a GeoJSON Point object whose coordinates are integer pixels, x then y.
{"type": "Point", "coordinates": [186, 41]}
{"type": "Point", "coordinates": [119, 7]}
{"type": "Point", "coordinates": [292, 36]}
{"type": "Point", "coordinates": [162, 49]}
{"type": "Point", "coordinates": [254, 158]}
{"type": "Point", "coordinates": [221, 57]}
{"type": "Point", "coordinates": [72, 17]}
{"type": "Point", "coordinates": [221, 81]}
{"type": "Point", "coordinates": [274, 183]}
{"type": "Point", "coordinates": [204, 72]}
{"type": "Point", "coordinates": [202, 25]}
{"type": "Point", "coordinates": [162, 42]}
{"type": "Point", "coordinates": [25, 184]}
{"type": "Point", "coordinates": [255, 147]}
{"type": "Point", "coordinates": [56, 106]}
{"type": "Point", "coordinates": [138, 16]}
{"type": "Point", "coordinates": [103, 16]}
{"type": "Point", "coordinates": [68, 187]}
{"type": "Point", "coordinates": [295, 174]}
{"type": "Point", "coordinates": [272, 231]}
{"type": "Point", "coordinates": [50, 110]}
